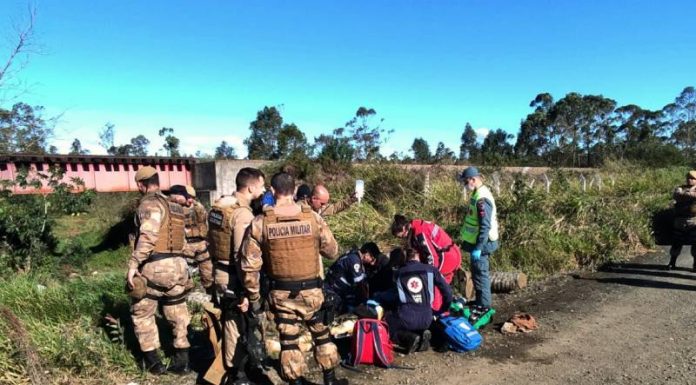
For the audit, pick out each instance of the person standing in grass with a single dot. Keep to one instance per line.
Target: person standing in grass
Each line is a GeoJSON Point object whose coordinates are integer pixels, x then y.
{"type": "Point", "coordinates": [158, 273]}
{"type": "Point", "coordinates": [479, 236]}
{"type": "Point", "coordinates": [684, 228]}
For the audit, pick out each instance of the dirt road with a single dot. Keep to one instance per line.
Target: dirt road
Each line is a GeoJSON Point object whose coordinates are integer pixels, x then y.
{"type": "Point", "coordinates": [632, 323]}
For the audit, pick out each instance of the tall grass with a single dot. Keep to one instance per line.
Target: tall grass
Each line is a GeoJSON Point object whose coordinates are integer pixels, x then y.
{"type": "Point", "coordinates": [63, 321]}
{"type": "Point", "coordinates": [541, 233]}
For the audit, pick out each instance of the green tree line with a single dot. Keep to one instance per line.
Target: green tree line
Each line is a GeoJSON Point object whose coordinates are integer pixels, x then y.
{"type": "Point", "coordinates": [573, 131]}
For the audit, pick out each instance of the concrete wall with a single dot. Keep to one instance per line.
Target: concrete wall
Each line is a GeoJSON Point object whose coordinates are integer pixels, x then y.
{"type": "Point", "coordinates": [216, 178]}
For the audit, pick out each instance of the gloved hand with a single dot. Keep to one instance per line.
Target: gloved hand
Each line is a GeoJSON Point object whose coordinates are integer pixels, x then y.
{"type": "Point", "coordinates": [476, 255]}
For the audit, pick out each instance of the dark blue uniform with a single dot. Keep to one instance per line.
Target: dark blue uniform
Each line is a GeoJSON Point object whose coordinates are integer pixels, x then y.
{"type": "Point", "coordinates": [346, 278]}
{"type": "Point", "coordinates": [414, 294]}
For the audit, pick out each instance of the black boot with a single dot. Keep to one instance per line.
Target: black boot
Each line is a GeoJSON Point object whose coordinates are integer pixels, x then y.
{"type": "Point", "coordinates": [409, 341]}
{"type": "Point", "coordinates": [330, 378]}
{"type": "Point", "coordinates": [425, 341]}
{"type": "Point", "coordinates": [153, 363]}
{"type": "Point", "coordinates": [180, 362]}
{"type": "Point", "coordinates": [238, 378]}
{"type": "Point", "coordinates": [672, 262]}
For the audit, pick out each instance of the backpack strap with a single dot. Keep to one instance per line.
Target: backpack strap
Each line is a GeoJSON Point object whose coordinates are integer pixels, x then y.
{"type": "Point", "coordinates": [359, 340]}
{"type": "Point", "coordinates": [378, 344]}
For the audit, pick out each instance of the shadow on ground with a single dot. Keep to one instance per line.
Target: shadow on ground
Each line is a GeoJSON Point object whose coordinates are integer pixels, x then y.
{"type": "Point", "coordinates": [639, 275]}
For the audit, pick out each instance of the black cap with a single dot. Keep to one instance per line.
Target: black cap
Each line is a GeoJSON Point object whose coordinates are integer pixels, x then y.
{"type": "Point", "coordinates": [178, 189]}
{"type": "Point", "coordinates": [304, 191]}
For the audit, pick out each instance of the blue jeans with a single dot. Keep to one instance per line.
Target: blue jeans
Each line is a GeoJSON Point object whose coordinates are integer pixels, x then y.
{"type": "Point", "coordinates": [482, 280]}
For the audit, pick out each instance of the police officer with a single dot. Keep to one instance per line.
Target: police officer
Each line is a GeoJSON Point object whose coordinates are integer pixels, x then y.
{"type": "Point", "coordinates": [159, 272]}
{"type": "Point", "coordinates": [196, 234]}
{"type": "Point", "coordinates": [285, 242]}
{"type": "Point", "coordinates": [414, 294]}
{"type": "Point", "coordinates": [479, 236]}
{"type": "Point", "coordinates": [320, 202]}
{"type": "Point", "coordinates": [229, 219]}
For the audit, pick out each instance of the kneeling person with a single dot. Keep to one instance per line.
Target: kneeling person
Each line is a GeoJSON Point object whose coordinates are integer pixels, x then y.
{"type": "Point", "coordinates": [347, 279]}
{"type": "Point", "coordinates": [414, 294]}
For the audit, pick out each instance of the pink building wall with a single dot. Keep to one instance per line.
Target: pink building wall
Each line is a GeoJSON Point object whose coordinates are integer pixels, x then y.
{"type": "Point", "coordinates": [102, 174]}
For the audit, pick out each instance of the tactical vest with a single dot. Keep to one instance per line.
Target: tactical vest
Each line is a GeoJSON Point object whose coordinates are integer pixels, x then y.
{"type": "Point", "coordinates": [470, 230]}
{"type": "Point", "coordinates": [171, 235]}
{"type": "Point", "coordinates": [220, 232]}
{"type": "Point", "coordinates": [291, 245]}
{"type": "Point", "coordinates": [196, 226]}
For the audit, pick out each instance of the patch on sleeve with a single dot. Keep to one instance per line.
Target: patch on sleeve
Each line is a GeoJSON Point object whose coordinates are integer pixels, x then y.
{"type": "Point", "coordinates": [481, 206]}
{"type": "Point", "coordinates": [289, 230]}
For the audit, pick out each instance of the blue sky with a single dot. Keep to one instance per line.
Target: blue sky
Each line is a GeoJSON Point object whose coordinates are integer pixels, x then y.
{"type": "Point", "coordinates": [427, 67]}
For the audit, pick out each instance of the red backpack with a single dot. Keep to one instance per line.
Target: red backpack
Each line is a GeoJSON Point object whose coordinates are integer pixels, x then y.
{"type": "Point", "coordinates": [371, 345]}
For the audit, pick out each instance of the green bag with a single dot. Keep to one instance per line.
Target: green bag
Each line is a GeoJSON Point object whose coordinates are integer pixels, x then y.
{"type": "Point", "coordinates": [484, 320]}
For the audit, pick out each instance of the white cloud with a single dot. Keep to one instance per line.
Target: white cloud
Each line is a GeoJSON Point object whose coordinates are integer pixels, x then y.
{"type": "Point", "coordinates": [196, 133]}
{"type": "Point", "coordinates": [208, 143]}
{"type": "Point", "coordinates": [482, 132]}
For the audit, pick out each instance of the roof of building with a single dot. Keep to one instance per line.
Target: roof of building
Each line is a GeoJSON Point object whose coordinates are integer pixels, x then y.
{"type": "Point", "coordinates": [60, 158]}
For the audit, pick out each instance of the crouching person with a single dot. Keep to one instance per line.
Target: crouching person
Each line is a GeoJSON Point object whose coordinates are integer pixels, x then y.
{"type": "Point", "coordinates": [346, 281]}
{"type": "Point", "coordinates": [413, 295]}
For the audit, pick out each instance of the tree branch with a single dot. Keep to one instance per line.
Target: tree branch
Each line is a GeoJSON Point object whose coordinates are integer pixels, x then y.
{"type": "Point", "coordinates": [25, 35]}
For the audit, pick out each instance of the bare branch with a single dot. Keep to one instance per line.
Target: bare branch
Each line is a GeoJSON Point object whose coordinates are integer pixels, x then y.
{"type": "Point", "coordinates": [23, 46]}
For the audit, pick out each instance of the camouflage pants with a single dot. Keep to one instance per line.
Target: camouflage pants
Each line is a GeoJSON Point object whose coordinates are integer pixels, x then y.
{"type": "Point", "coordinates": [230, 331]}
{"type": "Point", "coordinates": [175, 312]}
{"type": "Point", "coordinates": [205, 264]}
{"type": "Point", "coordinates": [289, 314]}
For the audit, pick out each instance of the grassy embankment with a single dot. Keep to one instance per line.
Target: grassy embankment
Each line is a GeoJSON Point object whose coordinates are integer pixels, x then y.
{"type": "Point", "coordinates": [59, 334]}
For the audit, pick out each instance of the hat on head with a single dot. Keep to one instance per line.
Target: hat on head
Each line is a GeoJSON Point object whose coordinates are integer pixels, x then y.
{"type": "Point", "coordinates": [190, 190]}
{"type": "Point", "coordinates": [469, 172]}
{"type": "Point", "coordinates": [304, 191]}
{"type": "Point", "coordinates": [178, 189]}
{"type": "Point", "coordinates": [145, 172]}
{"type": "Point", "coordinates": [691, 174]}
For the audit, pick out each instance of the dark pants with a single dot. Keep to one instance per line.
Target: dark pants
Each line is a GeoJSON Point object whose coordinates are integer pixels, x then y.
{"type": "Point", "coordinates": [676, 249]}
{"type": "Point", "coordinates": [397, 325]}
{"type": "Point", "coordinates": [482, 281]}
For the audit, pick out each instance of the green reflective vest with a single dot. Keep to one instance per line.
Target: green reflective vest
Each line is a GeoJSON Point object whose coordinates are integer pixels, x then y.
{"type": "Point", "coordinates": [470, 230]}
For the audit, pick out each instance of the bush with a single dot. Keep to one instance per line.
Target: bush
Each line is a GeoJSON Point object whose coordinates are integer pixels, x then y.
{"type": "Point", "coordinates": [26, 221]}
{"type": "Point", "coordinates": [26, 240]}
